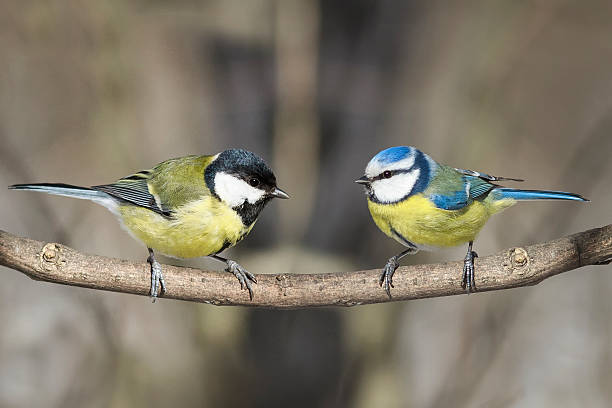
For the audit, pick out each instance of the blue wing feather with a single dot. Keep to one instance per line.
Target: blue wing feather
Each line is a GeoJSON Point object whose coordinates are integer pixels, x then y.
{"type": "Point", "coordinates": [470, 188]}
{"type": "Point", "coordinates": [455, 201]}
{"type": "Point", "coordinates": [456, 189]}
{"type": "Point", "coordinates": [478, 186]}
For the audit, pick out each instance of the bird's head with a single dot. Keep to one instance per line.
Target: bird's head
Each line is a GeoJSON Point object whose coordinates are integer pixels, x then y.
{"type": "Point", "coordinates": [396, 173]}
{"type": "Point", "coordinates": [243, 181]}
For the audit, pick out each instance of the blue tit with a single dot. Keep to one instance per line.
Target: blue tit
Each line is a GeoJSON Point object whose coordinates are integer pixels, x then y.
{"type": "Point", "coordinates": [187, 207]}
{"type": "Point", "coordinates": [423, 204]}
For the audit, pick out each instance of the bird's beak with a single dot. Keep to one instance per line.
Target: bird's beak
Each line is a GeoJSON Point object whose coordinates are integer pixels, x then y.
{"type": "Point", "coordinates": [363, 180]}
{"type": "Point", "coordinates": [278, 193]}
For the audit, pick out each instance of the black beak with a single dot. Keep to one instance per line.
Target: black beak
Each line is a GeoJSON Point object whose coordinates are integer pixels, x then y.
{"type": "Point", "coordinates": [278, 193]}
{"type": "Point", "coordinates": [363, 180]}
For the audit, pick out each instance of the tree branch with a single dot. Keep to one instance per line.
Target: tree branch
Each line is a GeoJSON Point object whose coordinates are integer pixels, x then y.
{"type": "Point", "coordinates": [510, 268]}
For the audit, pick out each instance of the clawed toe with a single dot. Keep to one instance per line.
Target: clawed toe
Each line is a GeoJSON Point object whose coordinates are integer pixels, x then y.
{"type": "Point", "coordinates": [158, 285]}
{"type": "Point", "coordinates": [244, 277]}
{"type": "Point", "coordinates": [468, 282]}
{"type": "Point", "coordinates": [386, 279]}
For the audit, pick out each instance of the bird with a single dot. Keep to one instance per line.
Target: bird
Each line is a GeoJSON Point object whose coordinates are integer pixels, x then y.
{"type": "Point", "coordinates": [186, 207]}
{"type": "Point", "coordinates": [425, 205]}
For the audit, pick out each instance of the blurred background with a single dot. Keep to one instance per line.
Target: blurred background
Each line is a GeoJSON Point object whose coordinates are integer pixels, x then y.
{"type": "Point", "coordinates": [91, 91]}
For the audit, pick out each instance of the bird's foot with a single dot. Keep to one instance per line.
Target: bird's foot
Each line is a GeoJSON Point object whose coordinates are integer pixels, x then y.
{"type": "Point", "coordinates": [157, 278]}
{"type": "Point", "coordinates": [244, 277]}
{"type": "Point", "coordinates": [386, 279]}
{"type": "Point", "coordinates": [468, 282]}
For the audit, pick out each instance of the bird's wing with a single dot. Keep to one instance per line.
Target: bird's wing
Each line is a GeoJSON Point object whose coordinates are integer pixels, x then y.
{"type": "Point", "coordinates": [484, 176]}
{"type": "Point", "coordinates": [134, 189]}
{"type": "Point", "coordinates": [448, 189]}
{"type": "Point", "coordinates": [481, 183]}
{"type": "Point", "coordinates": [167, 186]}
{"type": "Point", "coordinates": [456, 188]}
{"type": "Point", "coordinates": [477, 187]}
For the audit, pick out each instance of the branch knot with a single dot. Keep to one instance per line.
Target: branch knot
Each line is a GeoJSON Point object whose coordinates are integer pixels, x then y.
{"type": "Point", "coordinates": [50, 257]}
{"type": "Point", "coordinates": [517, 259]}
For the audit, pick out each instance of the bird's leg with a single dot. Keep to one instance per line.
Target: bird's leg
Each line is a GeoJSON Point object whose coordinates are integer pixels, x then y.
{"type": "Point", "coordinates": [244, 277]}
{"type": "Point", "coordinates": [386, 279]}
{"type": "Point", "coordinates": [468, 282]}
{"type": "Point", "coordinates": [157, 279]}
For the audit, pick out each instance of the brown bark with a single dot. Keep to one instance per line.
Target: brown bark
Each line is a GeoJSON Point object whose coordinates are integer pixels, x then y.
{"type": "Point", "coordinates": [520, 266]}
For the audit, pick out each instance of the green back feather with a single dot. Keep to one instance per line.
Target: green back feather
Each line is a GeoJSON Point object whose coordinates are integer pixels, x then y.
{"type": "Point", "coordinates": [164, 188]}
{"type": "Point", "coordinates": [179, 181]}
{"type": "Point", "coordinates": [452, 190]}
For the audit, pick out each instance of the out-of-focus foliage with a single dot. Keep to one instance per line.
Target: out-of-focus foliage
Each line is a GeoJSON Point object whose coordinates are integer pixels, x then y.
{"type": "Point", "coordinates": [93, 90]}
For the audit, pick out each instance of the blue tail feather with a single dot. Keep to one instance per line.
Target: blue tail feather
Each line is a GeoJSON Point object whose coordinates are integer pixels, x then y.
{"type": "Point", "coordinates": [501, 193]}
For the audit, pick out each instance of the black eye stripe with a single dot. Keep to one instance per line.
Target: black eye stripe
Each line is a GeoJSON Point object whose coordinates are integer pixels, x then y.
{"type": "Point", "coordinates": [393, 173]}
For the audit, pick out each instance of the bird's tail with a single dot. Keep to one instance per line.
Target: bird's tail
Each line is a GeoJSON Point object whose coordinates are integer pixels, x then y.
{"type": "Point", "coordinates": [67, 190]}
{"type": "Point", "coordinates": [501, 193]}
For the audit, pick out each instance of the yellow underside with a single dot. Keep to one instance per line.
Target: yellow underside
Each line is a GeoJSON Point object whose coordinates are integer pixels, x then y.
{"type": "Point", "coordinates": [199, 228]}
{"type": "Point", "coordinates": [419, 221]}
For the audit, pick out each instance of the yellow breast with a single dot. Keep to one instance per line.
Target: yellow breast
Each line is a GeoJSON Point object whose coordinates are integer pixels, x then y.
{"type": "Point", "coordinates": [199, 228]}
{"type": "Point", "coordinates": [419, 221]}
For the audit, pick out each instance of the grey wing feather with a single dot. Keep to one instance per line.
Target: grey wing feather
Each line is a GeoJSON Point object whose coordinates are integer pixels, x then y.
{"type": "Point", "coordinates": [135, 191]}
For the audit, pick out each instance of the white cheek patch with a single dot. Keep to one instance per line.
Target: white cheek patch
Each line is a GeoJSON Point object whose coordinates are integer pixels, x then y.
{"type": "Point", "coordinates": [234, 191]}
{"type": "Point", "coordinates": [375, 167]}
{"type": "Point", "coordinates": [395, 188]}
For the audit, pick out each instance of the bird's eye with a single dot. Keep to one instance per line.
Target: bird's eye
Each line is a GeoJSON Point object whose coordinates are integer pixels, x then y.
{"type": "Point", "coordinates": [254, 182]}
{"type": "Point", "coordinates": [387, 174]}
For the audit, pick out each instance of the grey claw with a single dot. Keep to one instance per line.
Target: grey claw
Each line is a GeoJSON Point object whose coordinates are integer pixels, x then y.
{"type": "Point", "coordinates": [468, 282]}
{"type": "Point", "coordinates": [386, 279]}
{"type": "Point", "coordinates": [244, 277]}
{"type": "Point", "coordinates": [157, 279]}
{"type": "Point", "coordinates": [250, 276]}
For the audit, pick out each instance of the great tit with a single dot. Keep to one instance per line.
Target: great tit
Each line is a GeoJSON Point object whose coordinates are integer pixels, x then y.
{"type": "Point", "coordinates": [423, 204]}
{"type": "Point", "coordinates": [187, 207]}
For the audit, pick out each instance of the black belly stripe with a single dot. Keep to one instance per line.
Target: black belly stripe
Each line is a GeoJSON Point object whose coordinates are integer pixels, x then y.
{"type": "Point", "coordinates": [402, 238]}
